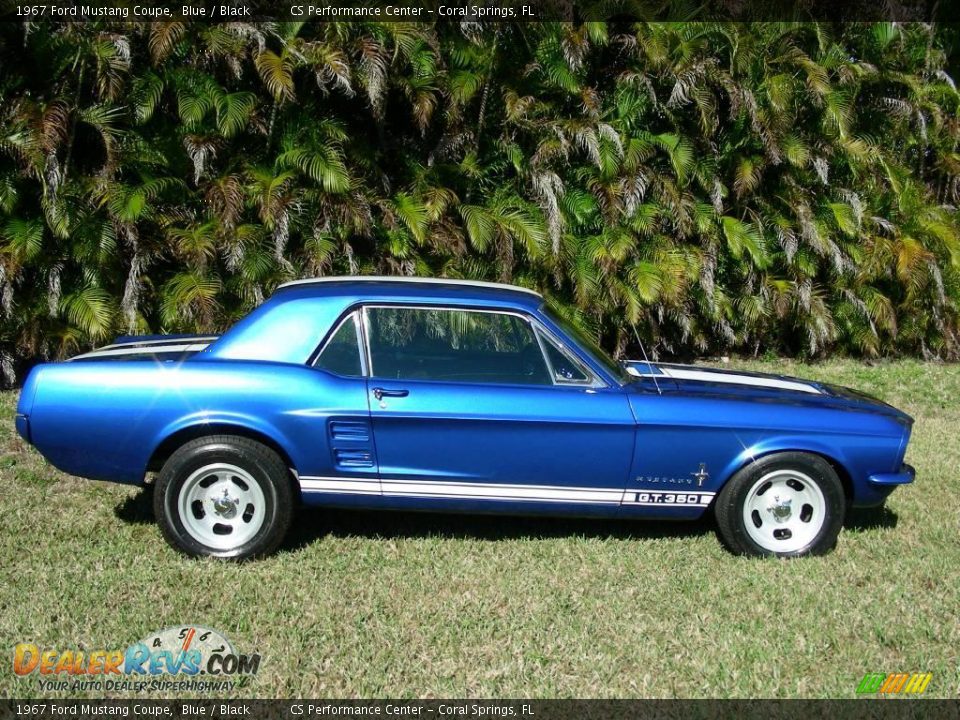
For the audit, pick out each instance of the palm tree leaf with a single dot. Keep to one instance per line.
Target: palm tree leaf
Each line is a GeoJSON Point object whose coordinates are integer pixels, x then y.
{"type": "Point", "coordinates": [276, 71]}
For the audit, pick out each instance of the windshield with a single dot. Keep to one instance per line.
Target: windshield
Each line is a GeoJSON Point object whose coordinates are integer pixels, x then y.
{"type": "Point", "coordinates": [588, 344]}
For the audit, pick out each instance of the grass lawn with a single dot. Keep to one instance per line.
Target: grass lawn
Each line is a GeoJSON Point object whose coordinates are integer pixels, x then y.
{"type": "Point", "coordinates": [404, 605]}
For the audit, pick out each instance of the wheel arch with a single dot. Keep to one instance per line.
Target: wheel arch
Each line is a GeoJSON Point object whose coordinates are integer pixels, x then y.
{"type": "Point", "coordinates": [183, 435]}
{"type": "Point", "coordinates": [832, 457]}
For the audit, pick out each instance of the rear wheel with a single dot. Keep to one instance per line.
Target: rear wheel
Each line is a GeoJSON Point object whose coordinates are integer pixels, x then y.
{"type": "Point", "coordinates": [224, 496]}
{"type": "Point", "coordinates": [787, 505]}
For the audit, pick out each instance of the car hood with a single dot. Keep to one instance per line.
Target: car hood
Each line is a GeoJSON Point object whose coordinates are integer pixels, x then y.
{"type": "Point", "coordinates": [761, 387]}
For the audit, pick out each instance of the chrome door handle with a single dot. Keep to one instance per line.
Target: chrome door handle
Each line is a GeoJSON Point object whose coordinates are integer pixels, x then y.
{"type": "Point", "coordinates": [380, 393]}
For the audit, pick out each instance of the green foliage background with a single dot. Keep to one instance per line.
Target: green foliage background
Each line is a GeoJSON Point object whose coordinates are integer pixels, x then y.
{"type": "Point", "coordinates": [726, 187]}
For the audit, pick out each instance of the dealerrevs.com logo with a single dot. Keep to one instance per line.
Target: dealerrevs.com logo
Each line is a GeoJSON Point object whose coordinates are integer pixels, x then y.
{"type": "Point", "coordinates": [183, 658]}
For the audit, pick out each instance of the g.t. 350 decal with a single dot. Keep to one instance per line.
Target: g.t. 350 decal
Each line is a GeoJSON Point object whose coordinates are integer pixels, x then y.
{"type": "Point", "coordinates": [665, 498]}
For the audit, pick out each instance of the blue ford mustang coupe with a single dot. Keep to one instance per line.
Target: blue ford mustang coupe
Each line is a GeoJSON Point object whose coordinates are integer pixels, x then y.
{"type": "Point", "coordinates": [420, 394]}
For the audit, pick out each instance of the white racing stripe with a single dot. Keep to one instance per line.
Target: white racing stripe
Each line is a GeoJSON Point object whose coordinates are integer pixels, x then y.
{"type": "Point", "coordinates": [489, 491]}
{"type": "Point", "coordinates": [158, 341]}
{"type": "Point", "coordinates": [678, 373]}
{"type": "Point", "coordinates": [707, 376]}
{"type": "Point", "coordinates": [152, 350]}
{"type": "Point", "coordinates": [360, 486]}
{"type": "Point", "coordinates": [502, 491]}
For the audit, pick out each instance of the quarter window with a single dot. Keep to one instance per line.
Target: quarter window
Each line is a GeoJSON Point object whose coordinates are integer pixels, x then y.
{"type": "Point", "coordinates": [341, 354]}
{"type": "Point", "coordinates": [455, 346]}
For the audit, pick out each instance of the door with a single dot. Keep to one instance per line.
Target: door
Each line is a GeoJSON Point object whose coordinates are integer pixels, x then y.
{"type": "Point", "coordinates": [475, 407]}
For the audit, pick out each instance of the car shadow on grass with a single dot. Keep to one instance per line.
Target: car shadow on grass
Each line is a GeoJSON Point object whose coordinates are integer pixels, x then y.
{"type": "Point", "coordinates": [876, 518]}
{"type": "Point", "coordinates": [137, 509]}
{"type": "Point", "coordinates": [312, 524]}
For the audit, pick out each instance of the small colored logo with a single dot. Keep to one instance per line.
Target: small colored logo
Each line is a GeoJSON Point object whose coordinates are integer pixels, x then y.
{"type": "Point", "coordinates": [894, 683]}
{"type": "Point", "coordinates": [182, 653]}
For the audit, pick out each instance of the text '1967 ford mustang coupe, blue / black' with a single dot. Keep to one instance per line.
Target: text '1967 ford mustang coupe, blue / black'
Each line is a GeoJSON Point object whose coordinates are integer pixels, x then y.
{"type": "Point", "coordinates": [425, 394]}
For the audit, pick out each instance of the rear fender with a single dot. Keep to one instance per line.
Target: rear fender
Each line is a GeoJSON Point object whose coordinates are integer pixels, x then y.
{"type": "Point", "coordinates": [217, 423]}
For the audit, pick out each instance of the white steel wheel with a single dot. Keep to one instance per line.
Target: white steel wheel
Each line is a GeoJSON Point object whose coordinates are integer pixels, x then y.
{"type": "Point", "coordinates": [784, 511]}
{"type": "Point", "coordinates": [222, 506]}
{"type": "Point", "coordinates": [787, 504]}
{"type": "Point", "coordinates": [224, 496]}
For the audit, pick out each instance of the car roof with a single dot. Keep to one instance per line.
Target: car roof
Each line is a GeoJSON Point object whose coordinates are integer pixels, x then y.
{"type": "Point", "coordinates": [376, 287]}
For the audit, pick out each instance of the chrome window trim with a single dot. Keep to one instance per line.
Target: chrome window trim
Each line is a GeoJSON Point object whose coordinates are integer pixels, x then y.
{"type": "Point", "coordinates": [352, 315]}
{"type": "Point", "coordinates": [590, 378]}
{"type": "Point", "coordinates": [368, 356]}
{"type": "Point", "coordinates": [590, 353]}
{"type": "Point", "coordinates": [543, 352]}
{"type": "Point", "coordinates": [534, 324]}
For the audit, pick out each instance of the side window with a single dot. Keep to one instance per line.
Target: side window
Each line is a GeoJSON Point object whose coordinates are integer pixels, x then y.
{"type": "Point", "coordinates": [454, 346]}
{"type": "Point", "coordinates": [565, 369]}
{"type": "Point", "coordinates": [341, 354]}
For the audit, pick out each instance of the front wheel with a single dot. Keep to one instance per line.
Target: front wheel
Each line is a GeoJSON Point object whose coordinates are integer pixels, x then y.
{"type": "Point", "coordinates": [224, 496]}
{"type": "Point", "coordinates": [788, 505]}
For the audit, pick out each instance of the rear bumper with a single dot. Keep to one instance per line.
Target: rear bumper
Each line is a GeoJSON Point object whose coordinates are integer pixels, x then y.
{"type": "Point", "coordinates": [905, 475]}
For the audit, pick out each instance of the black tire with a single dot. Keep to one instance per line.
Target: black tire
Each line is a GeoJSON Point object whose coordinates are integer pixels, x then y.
{"type": "Point", "coordinates": [806, 471]}
{"type": "Point", "coordinates": [259, 472]}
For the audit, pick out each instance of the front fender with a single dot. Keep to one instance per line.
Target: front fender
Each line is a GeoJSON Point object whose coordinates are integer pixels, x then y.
{"type": "Point", "coordinates": [787, 443]}
{"type": "Point", "coordinates": [857, 458]}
